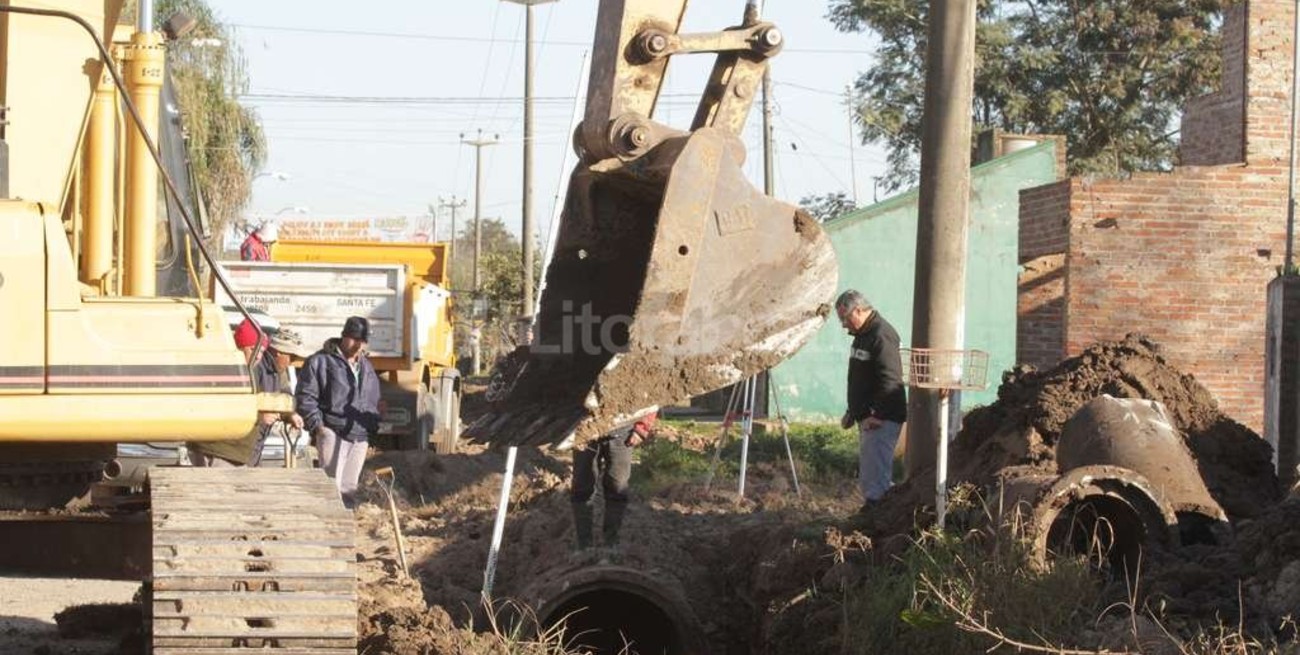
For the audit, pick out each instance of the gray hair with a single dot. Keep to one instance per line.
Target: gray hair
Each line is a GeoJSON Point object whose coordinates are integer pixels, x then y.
{"type": "Point", "coordinates": [851, 300]}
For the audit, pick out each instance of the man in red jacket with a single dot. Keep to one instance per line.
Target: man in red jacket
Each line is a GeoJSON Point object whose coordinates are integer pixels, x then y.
{"type": "Point", "coordinates": [257, 247]}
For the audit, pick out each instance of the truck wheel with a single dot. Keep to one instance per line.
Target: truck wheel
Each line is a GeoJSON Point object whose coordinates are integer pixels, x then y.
{"type": "Point", "coordinates": [418, 438]}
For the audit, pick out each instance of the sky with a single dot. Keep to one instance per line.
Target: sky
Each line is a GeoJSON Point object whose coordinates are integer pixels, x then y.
{"type": "Point", "coordinates": [364, 104]}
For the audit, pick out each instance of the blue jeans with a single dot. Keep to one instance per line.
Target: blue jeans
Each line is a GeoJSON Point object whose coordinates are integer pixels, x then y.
{"type": "Point", "coordinates": [876, 458]}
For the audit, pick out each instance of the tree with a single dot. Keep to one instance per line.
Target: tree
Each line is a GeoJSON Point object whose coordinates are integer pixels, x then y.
{"type": "Point", "coordinates": [1111, 76]}
{"type": "Point", "coordinates": [826, 206]}
{"type": "Point", "coordinates": [496, 240]}
{"type": "Point", "coordinates": [224, 139]}
{"type": "Point", "coordinates": [500, 284]}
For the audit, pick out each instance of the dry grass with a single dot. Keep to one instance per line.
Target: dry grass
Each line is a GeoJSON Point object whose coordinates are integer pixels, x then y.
{"type": "Point", "coordinates": [975, 591]}
{"type": "Point", "coordinates": [517, 630]}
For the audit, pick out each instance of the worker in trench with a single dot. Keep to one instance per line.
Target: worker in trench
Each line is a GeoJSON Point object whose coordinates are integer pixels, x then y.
{"type": "Point", "coordinates": [877, 398]}
{"type": "Point", "coordinates": [338, 398]}
{"type": "Point", "coordinates": [608, 458]}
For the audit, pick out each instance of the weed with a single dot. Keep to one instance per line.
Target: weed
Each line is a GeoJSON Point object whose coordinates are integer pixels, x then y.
{"type": "Point", "coordinates": [516, 630]}
{"type": "Point", "coordinates": [937, 593]}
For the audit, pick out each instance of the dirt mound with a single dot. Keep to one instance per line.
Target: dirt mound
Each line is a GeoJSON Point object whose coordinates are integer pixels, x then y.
{"type": "Point", "coordinates": [395, 619]}
{"type": "Point", "coordinates": [1022, 426]}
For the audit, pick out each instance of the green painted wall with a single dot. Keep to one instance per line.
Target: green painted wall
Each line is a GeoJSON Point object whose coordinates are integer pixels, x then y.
{"type": "Point", "coordinates": [876, 247]}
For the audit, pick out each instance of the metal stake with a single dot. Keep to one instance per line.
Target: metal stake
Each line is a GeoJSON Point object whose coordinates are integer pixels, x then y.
{"type": "Point", "coordinates": [941, 462]}
{"type": "Point", "coordinates": [499, 526]}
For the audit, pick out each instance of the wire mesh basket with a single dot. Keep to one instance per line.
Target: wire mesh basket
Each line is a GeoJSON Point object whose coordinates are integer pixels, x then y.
{"type": "Point", "coordinates": [930, 368]}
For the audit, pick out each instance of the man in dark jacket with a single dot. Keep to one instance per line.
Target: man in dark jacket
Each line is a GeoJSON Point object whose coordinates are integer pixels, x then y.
{"type": "Point", "coordinates": [876, 396]}
{"type": "Point", "coordinates": [338, 399]}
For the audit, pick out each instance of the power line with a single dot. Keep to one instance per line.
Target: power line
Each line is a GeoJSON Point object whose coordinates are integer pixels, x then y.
{"type": "Point", "coordinates": [480, 39]}
{"type": "Point", "coordinates": [811, 89]}
{"type": "Point", "coordinates": [482, 86]}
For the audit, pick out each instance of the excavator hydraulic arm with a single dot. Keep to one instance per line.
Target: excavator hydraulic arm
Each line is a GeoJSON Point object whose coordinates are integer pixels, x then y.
{"type": "Point", "coordinates": [671, 275]}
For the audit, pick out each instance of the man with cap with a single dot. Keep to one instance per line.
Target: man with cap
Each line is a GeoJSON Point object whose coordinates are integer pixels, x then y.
{"type": "Point", "coordinates": [257, 247]}
{"type": "Point", "coordinates": [247, 450]}
{"type": "Point", "coordinates": [276, 374]}
{"type": "Point", "coordinates": [338, 399]}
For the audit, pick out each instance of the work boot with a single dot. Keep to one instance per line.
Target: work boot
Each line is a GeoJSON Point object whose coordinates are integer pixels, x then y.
{"type": "Point", "coordinates": [582, 524]}
{"type": "Point", "coordinates": [613, 520]}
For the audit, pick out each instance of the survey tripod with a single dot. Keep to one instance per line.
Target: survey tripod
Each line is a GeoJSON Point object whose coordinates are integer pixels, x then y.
{"type": "Point", "coordinates": [744, 394]}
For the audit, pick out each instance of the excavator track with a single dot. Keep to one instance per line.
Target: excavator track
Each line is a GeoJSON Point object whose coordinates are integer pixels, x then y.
{"type": "Point", "coordinates": [251, 558]}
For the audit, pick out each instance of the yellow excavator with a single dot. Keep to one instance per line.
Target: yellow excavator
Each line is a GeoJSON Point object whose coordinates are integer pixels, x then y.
{"type": "Point", "coordinates": [671, 275]}
{"type": "Point", "coordinates": [92, 356]}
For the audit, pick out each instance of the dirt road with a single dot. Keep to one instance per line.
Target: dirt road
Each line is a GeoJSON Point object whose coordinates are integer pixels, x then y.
{"type": "Point", "coordinates": [28, 606]}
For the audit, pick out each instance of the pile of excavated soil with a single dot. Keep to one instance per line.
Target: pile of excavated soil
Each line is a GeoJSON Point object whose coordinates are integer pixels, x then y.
{"type": "Point", "coordinates": [1253, 576]}
{"type": "Point", "coordinates": [1022, 427]}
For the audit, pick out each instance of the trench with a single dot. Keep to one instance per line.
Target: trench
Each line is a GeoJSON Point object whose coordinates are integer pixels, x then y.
{"type": "Point", "coordinates": [613, 611]}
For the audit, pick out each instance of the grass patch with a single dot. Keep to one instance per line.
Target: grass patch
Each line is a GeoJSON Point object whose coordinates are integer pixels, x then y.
{"type": "Point", "coordinates": [824, 454]}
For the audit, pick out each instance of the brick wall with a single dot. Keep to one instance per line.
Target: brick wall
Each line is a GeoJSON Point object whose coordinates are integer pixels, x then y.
{"type": "Point", "coordinates": [1268, 80]}
{"type": "Point", "coordinates": [1044, 220]}
{"type": "Point", "coordinates": [1040, 311]}
{"type": "Point", "coordinates": [1183, 257]}
{"type": "Point", "coordinates": [1214, 125]}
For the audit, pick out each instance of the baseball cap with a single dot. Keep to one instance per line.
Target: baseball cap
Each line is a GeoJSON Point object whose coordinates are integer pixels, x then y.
{"type": "Point", "coordinates": [357, 327]}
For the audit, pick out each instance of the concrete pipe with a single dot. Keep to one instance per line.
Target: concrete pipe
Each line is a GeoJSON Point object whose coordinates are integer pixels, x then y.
{"type": "Point", "coordinates": [605, 609]}
{"type": "Point", "coordinates": [1106, 512]}
{"type": "Point", "coordinates": [1138, 435]}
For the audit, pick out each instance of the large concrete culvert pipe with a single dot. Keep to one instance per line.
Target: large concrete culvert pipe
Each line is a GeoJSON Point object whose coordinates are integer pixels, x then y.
{"type": "Point", "coordinates": [1140, 436]}
{"type": "Point", "coordinates": [613, 609]}
{"type": "Point", "coordinates": [1107, 513]}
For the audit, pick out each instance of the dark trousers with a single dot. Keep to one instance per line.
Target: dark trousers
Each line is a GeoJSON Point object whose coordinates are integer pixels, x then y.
{"type": "Point", "coordinates": [610, 459]}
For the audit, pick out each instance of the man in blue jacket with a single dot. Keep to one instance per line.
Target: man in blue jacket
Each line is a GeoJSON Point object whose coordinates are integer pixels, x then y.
{"type": "Point", "coordinates": [338, 399]}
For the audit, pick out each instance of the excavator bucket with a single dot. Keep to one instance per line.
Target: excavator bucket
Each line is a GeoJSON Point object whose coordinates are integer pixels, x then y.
{"type": "Point", "coordinates": [669, 279]}
{"type": "Point", "coordinates": [671, 275]}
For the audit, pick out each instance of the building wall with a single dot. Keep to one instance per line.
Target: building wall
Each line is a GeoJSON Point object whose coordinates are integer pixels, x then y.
{"type": "Point", "coordinates": [1185, 257]}
{"type": "Point", "coordinates": [876, 247]}
{"type": "Point", "coordinates": [1214, 126]}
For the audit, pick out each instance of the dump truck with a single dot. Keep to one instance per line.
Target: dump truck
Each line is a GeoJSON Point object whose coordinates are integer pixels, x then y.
{"type": "Point", "coordinates": [102, 347]}
{"type": "Point", "coordinates": [312, 287]}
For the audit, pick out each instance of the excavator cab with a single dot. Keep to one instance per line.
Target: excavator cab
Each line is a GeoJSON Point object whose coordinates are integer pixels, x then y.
{"type": "Point", "coordinates": [93, 353]}
{"type": "Point", "coordinates": [671, 274]}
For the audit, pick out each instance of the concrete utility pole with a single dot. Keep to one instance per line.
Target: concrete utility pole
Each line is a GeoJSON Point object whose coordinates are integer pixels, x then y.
{"type": "Point", "coordinates": [527, 228]}
{"type": "Point", "coordinates": [478, 198]}
{"type": "Point", "coordinates": [939, 309]}
{"type": "Point", "coordinates": [453, 206]}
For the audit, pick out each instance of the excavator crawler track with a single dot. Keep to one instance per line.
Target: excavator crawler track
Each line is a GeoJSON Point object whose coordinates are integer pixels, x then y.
{"type": "Point", "coordinates": [251, 558]}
